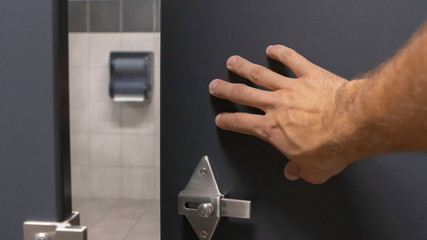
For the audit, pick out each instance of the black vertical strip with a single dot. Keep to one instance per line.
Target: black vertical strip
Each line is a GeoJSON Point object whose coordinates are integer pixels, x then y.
{"type": "Point", "coordinates": [62, 108]}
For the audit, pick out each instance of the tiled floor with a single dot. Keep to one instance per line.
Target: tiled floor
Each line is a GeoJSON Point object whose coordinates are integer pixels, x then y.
{"type": "Point", "coordinates": [109, 219]}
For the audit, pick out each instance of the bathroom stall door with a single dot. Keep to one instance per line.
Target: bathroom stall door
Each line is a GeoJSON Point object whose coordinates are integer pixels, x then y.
{"type": "Point", "coordinates": [381, 198]}
{"type": "Point", "coordinates": [34, 134]}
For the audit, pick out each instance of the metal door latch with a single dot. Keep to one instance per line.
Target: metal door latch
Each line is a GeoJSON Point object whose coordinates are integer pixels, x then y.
{"type": "Point", "coordinates": [67, 230]}
{"type": "Point", "coordinates": [203, 204]}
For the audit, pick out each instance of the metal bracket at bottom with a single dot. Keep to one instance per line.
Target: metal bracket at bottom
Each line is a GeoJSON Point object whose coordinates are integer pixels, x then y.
{"type": "Point", "coordinates": [203, 204]}
{"type": "Point", "coordinates": [67, 230]}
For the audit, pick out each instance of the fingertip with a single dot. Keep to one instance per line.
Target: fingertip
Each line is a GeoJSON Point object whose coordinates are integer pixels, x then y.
{"type": "Point", "coordinates": [291, 172]}
{"type": "Point", "coordinates": [268, 49]}
{"type": "Point", "coordinates": [217, 118]}
{"type": "Point", "coordinates": [212, 85]}
{"type": "Point", "coordinates": [231, 61]}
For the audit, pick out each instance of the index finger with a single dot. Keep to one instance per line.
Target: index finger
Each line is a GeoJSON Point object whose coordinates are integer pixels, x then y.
{"type": "Point", "coordinates": [256, 73]}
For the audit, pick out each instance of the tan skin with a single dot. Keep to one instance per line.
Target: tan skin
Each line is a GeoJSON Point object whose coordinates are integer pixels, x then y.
{"type": "Point", "coordinates": [322, 122]}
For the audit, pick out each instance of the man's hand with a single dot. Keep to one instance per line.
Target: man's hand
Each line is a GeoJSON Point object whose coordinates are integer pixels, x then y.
{"type": "Point", "coordinates": [302, 115]}
{"type": "Point", "coordinates": [322, 122]}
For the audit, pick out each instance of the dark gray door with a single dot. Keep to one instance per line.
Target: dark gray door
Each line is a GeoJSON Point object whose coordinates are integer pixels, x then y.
{"type": "Point", "coordinates": [381, 198]}
{"type": "Point", "coordinates": [34, 135]}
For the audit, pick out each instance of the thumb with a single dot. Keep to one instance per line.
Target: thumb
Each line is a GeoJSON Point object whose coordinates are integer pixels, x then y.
{"type": "Point", "coordinates": [291, 171]}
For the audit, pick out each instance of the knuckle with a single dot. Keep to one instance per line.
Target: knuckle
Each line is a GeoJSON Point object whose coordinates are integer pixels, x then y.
{"type": "Point", "coordinates": [233, 120]}
{"type": "Point", "coordinates": [256, 73]}
{"type": "Point", "coordinates": [265, 131]}
{"type": "Point", "coordinates": [237, 92]}
{"type": "Point", "coordinates": [274, 101]}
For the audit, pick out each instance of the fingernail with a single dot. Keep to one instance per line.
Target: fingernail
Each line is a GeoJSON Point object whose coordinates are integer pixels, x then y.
{"type": "Point", "coordinates": [212, 85]}
{"type": "Point", "coordinates": [217, 118]}
{"type": "Point", "coordinates": [231, 61]}
{"type": "Point", "coordinates": [269, 48]}
{"type": "Point", "coordinates": [291, 177]}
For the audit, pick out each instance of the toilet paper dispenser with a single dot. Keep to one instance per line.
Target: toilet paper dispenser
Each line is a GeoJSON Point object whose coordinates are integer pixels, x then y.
{"type": "Point", "coordinates": [131, 76]}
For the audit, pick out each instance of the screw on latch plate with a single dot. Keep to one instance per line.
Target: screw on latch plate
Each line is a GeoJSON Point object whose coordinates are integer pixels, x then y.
{"type": "Point", "coordinates": [204, 234]}
{"type": "Point", "coordinates": [203, 204]}
{"type": "Point", "coordinates": [203, 171]}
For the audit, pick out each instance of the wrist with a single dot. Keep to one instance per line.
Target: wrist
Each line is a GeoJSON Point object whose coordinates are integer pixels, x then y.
{"type": "Point", "coordinates": [354, 116]}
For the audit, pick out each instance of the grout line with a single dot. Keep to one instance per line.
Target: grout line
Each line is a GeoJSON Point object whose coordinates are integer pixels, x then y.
{"type": "Point", "coordinates": [89, 112]}
{"type": "Point", "coordinates": [121, 128]}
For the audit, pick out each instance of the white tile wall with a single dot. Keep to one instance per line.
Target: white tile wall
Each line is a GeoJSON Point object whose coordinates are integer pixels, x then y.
{"type": "Point", "coordinates": [115, 147]}
{"type": "Point", "coordinates": [105, 149]}
{"type": "Point", "coordinates": [136, 156]}
{"type": "Point", "coordinates": [138, 183]}
{"type": "Point", "coordinates": [79, 84]}
{"type": "Point", "coordinates": [79, 117]}
{"type": "Point", "coordinates": [99, 84]}
{"type": "Point", "coordinates": [100, 46]}
{"type": "Point", "coordinates": [81, 177]}
{"type": "Point", "coordinates": [138, 118]}
{"type": "Point", "coordinates": [80, 149]}
{"type": "Point", "coordinates": [106, 182]}
{"type": "Point", "coordinates": [78, 49]}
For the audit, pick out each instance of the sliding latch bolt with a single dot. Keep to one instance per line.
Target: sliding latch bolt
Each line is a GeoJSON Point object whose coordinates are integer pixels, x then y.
{"type": "Point", "coordinates": [205, 210]}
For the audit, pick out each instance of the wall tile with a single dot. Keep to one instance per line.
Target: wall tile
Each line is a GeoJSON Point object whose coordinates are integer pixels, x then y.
{"type": "Point", "coordinates": [79, 84]}
{"type": "Point", "coordinates": [104, 16]}
{"type": "Point", "coordinates": [101, 44]}
{"type": "Point", "coordinates": [106, 182]}
{"type": "Point", "coordinates": [79, 117]}
{"type": "Point", "coordinates": [138, 42]}
{"type": "Point", "coordinates": [99, 78]}
{"type": "Point", "coordinates": [80, 149]}
{"type": "Point", "coordinates": [105, 149]}
{"type": "Point", "coordinates": [105, 117]}
{"type": "Point", "coordinates": [138, 183]}
{"type": "Point", "coordinates": [77, 16]}
{"type": "Point", "coordinates": [138, 150]}
{"type": "Point", "coordinates": [78, 49]}
{"type": "Point", "coordinates": [138, 118]}
{"type": "Point", "coordinates": [138, 16]}
{"type": "Point", "coordinates": [80, 177]}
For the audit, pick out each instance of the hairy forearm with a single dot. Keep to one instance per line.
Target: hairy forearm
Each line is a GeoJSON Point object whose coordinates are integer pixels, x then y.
{"type": "Point", "coordinates": [389, 106]}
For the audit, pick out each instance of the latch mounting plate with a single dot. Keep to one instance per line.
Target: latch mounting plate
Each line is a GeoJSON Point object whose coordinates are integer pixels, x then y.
{"type": "Point", "coordinates": [203, 203]}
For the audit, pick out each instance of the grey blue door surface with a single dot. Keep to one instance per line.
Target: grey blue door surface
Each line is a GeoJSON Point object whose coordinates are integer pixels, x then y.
{"type": "Point", "coordinates": [34, 134]}
{"type": "Point", "coordinates": [379, 198]}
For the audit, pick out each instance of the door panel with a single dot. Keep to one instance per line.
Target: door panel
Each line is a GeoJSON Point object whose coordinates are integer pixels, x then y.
{"type": "Point", "coordinates": [34, 132]}
{"type": "Point", "coordinates": [380, 198]}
